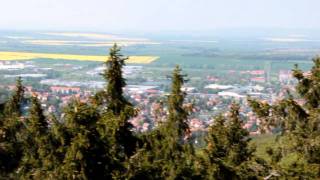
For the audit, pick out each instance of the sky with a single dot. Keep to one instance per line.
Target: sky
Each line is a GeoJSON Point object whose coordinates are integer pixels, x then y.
{"type": "Point", "coordinates": [157, 15]}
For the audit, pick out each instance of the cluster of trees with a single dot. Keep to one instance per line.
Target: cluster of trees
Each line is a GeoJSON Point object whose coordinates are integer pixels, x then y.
{"type": "Point", "coordinates": [95, 140]}
{"type": "Point", "coordinates": [297, 125]}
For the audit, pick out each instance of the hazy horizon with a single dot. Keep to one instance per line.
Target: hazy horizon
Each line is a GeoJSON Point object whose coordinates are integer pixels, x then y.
{"type": "Point", "coordinates": [158, 16]}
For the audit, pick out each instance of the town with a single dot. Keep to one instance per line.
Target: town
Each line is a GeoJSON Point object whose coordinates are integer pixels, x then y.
{"type": "Point", "coordinates": [147, 89]}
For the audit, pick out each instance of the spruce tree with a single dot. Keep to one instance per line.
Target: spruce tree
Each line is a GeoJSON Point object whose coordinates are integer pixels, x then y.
{"type": "Point", "coordinates": [230, 156]}
{"type": "Point", "coordinates": [217, 150]}
{"type": "Point", "coordinates": [238, 138]}
{"type": "Point", "coordinates": [114, 123]}
{"type": "Point", "coordinates": [10, 131]}
{"type": "Point", "coordinates": [296, 154]}
{"type": "Point", "coordinates": [60, 138]}
{"type": "Point", "coordinates": [86, 155]}
{"type": "Point", "coordinates": [167, 153]}
{"type": "Point", "coordinates": [14, 106]}
{"type": "Point", "coordinates": [176, 149]}
{"type": "Point", "coordinates": [37, 147]}
{"type": "Point", "coordinates": [177, 123]}
{"type": "Point", "coordinates": [116, 102]}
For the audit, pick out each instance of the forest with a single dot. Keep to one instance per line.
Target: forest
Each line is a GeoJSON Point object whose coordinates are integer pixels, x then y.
{"type": "Point", "coordinates": [95, 140]}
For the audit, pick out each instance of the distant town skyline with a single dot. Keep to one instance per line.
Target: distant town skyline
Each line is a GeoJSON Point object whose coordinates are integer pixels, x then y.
{"type": "Point", "coordinates": [157, 15]}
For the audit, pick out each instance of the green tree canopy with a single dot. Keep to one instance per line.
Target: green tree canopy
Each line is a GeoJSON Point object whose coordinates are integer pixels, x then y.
{"type": "Point", "coordinates": [297, 154]}
{"type": "Point", "coordinates": [11, 128]}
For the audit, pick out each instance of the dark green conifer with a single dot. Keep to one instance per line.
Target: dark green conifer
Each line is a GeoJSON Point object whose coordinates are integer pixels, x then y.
{"type": "Point", "coordinates": [175, 148]}
{"type": "Point", "coordinates": [16, 101]}
{"type": "Point", "coordinates": [10, 131]}
{"type": "Point", "coordinates": [114, 123]}
{"type": "Point", "coordinates": [230, 156]}
{"type": "Point", "coordinates": [238, 138]}
{"type": "Point", "coordinates": [217, 150]}
{"type": "Point", "coordinates": [37, 147]}
{"type": "Point", "coordinates": [177, 123]}
{"type": "Point", "coordinates": [86, 155]}
{"type": "Point", "coordinates": [116, 102]}
{"type": "Point", "coordinates": [296, 154]}
{"type": "Point", "coordinates": [167, 153]}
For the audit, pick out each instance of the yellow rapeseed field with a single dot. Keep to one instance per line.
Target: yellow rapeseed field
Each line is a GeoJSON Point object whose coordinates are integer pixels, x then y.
{"type": "Point", "coordinates": [15, 56]}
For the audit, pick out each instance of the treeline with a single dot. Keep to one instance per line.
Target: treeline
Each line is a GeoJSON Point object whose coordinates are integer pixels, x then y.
{"type": "Point", "coordinates": [94, 139]}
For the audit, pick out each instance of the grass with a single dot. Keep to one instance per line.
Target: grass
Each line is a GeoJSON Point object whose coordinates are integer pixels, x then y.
{"type": "Point", "coordinates": [262, 142]}
{"type": "Point", "coordinates": [15, 56]}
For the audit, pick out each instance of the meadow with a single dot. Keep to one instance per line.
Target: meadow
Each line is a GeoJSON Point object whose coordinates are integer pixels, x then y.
{"type": "Point", "coordinates": [210, 54]}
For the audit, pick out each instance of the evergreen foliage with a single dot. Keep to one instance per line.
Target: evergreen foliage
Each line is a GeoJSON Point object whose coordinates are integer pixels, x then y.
{"type": "Point", "coordinates": [95, 140]}
{"type": "Point", "coordinates": [112, 96]}
{"type": "Point", "coordinates": [167, 153]}
{"type": "Point", "coordinates": [114, 125]}
{"type": "Point", "coordinates": [11, 128]}
{"type": "Point", "coordinates": [230, 156]}
{"type": "Point", "coordinates": [297, 154]}
{"type": "Point", "coordinates": [85, 156]}
{"type": "Point", "coordinates": [37, 147]}
{"type": "Point", "coordinates": [115, 120]}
